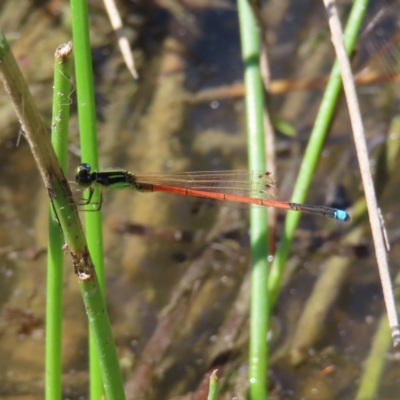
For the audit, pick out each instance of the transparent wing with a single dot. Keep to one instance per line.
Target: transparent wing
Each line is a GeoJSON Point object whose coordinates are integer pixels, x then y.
{"type": "Point", "coordinates": [241, 183]}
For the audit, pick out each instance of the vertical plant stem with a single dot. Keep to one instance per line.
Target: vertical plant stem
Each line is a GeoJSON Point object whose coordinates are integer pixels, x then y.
{"type": "Point", "coordinates": [213, 389]}
{"type": "Point", "coordinates": [55, 263]}
{"type": "Point", "coordinates": [87, 126]}
{"type": "Point", "coordinates": [363, 160]}
{"type": "Point", "coordinates": [258, 362]}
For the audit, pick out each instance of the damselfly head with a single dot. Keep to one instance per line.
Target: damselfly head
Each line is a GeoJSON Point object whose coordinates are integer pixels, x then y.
{"type": "Point", "coordinates": [83, 176]}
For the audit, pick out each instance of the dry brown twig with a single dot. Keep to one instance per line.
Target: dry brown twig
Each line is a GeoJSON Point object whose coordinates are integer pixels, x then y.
{"type": "Point", "coordinates": [363, 160]}
{"type": "Point", "coordinates": [123, 42]}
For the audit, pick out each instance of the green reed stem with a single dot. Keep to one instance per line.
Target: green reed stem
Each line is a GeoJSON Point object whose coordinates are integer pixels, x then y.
{"type": "Point", "coordinates": [55, 262]}
{"type": "Point", "coordinates": [213, 389]}
{"type": "Point", "coordinates": [88, 135]}
{"type": "Point", "coordinates": [258, 357]}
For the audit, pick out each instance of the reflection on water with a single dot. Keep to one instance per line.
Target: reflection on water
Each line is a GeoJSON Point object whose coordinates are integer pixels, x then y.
{"type": "Point", "coordinates": [177, 278]}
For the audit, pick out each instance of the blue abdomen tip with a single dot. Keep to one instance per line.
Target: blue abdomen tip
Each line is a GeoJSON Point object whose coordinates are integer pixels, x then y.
{"type": "Point", "coordinates": [342, 215]}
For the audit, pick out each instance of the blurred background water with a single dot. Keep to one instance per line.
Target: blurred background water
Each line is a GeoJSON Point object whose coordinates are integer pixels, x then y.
{"type": "Point", "coordinates": [164, 251]}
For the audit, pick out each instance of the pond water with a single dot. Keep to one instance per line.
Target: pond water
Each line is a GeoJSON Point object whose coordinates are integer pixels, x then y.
{"type": "Point", "coordinates": [177, 270]}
